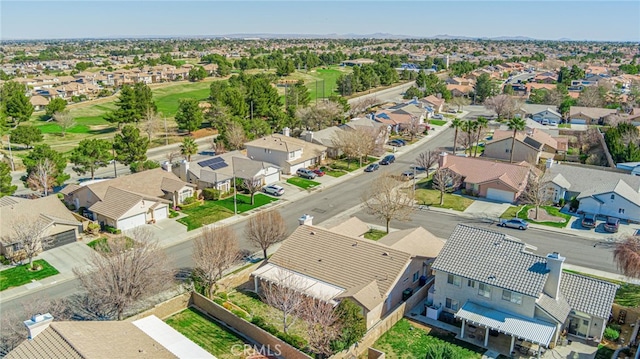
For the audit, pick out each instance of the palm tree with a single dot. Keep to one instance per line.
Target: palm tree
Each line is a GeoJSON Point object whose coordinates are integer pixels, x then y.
{"type": "Point", "coordinates": [482, 124]}
{"type": "Point", "coordinates": [469, 128]}
{"type": "Point", "coordinates": [456, 123]}
{"type": "Point", "coordinates": [627, 256]}
{"type": "Point", "coordinates": [188, 147]}
{"type": "Point", "coordinates": [516, 124]}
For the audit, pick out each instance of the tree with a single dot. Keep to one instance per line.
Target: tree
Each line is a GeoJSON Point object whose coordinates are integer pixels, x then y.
{"type": "Point", "coordinates": [16, 102]}
{"type": "Point", "coordinates": [591, 96]}
{"type": "Point", "coordinates": [285, 293]}
{"type": "Point", "coordinates": [214, 251]}
{"type": "Point", "coordinates": [483, 123]}
{"type": "Point", "coordinates": [469, 128]}
{"type": "Point", "coordinates": [197, 73]}
{"type": "Point", "coordinates": [503, 105]}
{"type": "Point", "coordinates": [323, 325]}
{"type": "Point", "coordinates": [627, 256]}
{"type": "Point", "coordinates": [188, 147]}
{"type": "Point", "coordinates": [456, 124]}
{"type": "Point", "coordinates": [352, 323]}
{"type": "Point", "coordinates": [125, 270]}
{"type": "Point", "coordinates": [189, 116]}
{"type": "Point", "coordinates": [56, 105]}
{"type": "Point", "coordinates": [427, 159]}
{"type": "Point", "coordinates": [90, 155]}
{"type": "Point", "coordinates": [516, 124]}
{"type": "Point", "coordinates": [126, 111]}
{"type": "Point", "coordinates": [30, 236]}
{"type": "Point", "coordinates": [537, 192]}
{"type": "Point", "coordinates": [356, 143]}
{"type": "Point", "coordinates": [266, 229]}
{"type": "Point", "coordinates": [484, 88]}
{"type": "Point", "coordinates": [26, 135]}
{"type": "Point", "coordinates": [151, 123]}
{"type": "Point", "coordinates": [386, 201]}
{"type": "Point", "coordinates": [6, 188]}
{"type": "Point", "coordinates": [130, 146]}
{"type": "Point", "coordinates": [40, 153]}
{"type": "Point", "coordinates": [252, 185]}
{"type": "Point", "coordinates": [413, 127]}
{"type": "Point", "coordinates": [143, 97]}
{"type": "Point", "coordinates": [460, 102]}
{"type": "Point", "coordinates": [445, 180]}
{"type": "Point", "coordinates": [64, 120]}
{"type": "Point", "coordinates": [321, 116]}
{"type": "Point", "coordinates": [41, 178]}
{"type": "Point", "coordinates": [297, 95]}
{"type": "Point", "coordinates": [235, 136]}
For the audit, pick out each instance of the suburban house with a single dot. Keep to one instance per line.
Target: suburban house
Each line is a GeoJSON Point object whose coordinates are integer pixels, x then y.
{"type": "Point", "coordinates": [148, 337]}
{"type": "Point", "coordinates": [329, 265]}
{"type": "Point", "coordinates": [530, 145]}
{"type": "Point", "coordinates": [589, 115]}
{"type": "Point", "coordinates": [56, 221]}
{"type": "Point", "coordinates": [218, 172]}
{"type": "Point", "coordinates": [434, 102]}
{"type": "Point", "coordinates": [326, 137]}
{"type": "Point", "coordinates": [493, 180]}
{"type": "Point", "coordinates": [286, 152]}
{"type": "Point", "coordinates": [130, 201]}
{"type": "Point", "coordinates": [497, 286]}
{"type": "Point", "coordinates": [548, 116]}
{"type": "Point", "coordinates": [38, 102]}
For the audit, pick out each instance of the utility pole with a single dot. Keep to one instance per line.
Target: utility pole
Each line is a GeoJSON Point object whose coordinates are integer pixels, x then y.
{"type": "Point", "coordinates": [251, 110]}
{"type": "Point", "coordinates": [166, 139]}
{"type": "Point", "coordinates": [113, 151]}
{"type": "Point", "coordinates": [316, 93]}
{"type": "Point", "coordinates": [10, 154]}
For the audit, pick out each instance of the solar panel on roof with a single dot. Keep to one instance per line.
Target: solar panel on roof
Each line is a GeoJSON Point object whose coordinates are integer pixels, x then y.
{"type": "Point", "coordinates": [210, 161]}
{"type": "Point", "coordinates": [219, 165]}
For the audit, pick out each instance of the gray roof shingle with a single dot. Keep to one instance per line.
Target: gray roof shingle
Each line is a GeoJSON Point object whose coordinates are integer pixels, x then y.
{"type": "Point", "coordinates": [588, 295]}
{"type": "Point", "coordinates": [576, 176]}
{"type": "Point", "coordinates": [557, 309]}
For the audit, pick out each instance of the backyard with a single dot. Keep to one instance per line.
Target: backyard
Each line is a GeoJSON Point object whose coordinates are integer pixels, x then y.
{"type": "Point", "coordinates": [302, 182]}
{"type": "Point", "coordinates": [426, 195]}
{"type": "Point", "coordinates": [208, 334]}
{"type": "Point", "coordinates": [410, 340]}
{"type": "Point", "coordinates": [20, 275]}
{"type": "Point", "coordinates": [528, 211]}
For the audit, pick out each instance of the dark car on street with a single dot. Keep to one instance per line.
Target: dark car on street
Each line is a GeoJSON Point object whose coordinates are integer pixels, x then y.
{"type": "Point", "coordinates": [589, 220]}
{"type": "Point", "coordinates": [388, 159]}
{"type": "Point", "coordinates": [372, 167]}
{"type": "Point", "coordinates": [396, 143]}
{"type": "Point", "coordinates": [612, 224]}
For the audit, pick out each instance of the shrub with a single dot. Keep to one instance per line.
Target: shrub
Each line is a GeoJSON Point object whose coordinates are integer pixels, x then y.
{"type": "Point", "coordinates": [260, 322]}
{"type": "Point", "coordinates": [211, 194]}
{"type": "Point", "coordinates": [173, 214]}
{"type": "Point", "coordinates": [191, 205]}
{"type": "Point", "coordinates": [143, 166]}
{"type": "Point", "coordinates": [611, 334]}
{"type": "Point", "coordinates": [227, 306]}
{"type": "Point", "coordinates": [112, 230]}
{"type": "Point", "coordinates": [219, 301]}
{"type": "Point", "coordinates": [295, 340]}
{"type": "Point", "coordinates": [561, 202]}
{"type": "Point", "coordinates": [60, 196]}
{"type": "Point", "coordinates": [574, 203]}
{"type": "Point", "coordinates": [188, 200]}
{"type": "Point", "coordinates": [93, 228]}
{"type": "Point", "coordinates": [222, 295]}
{"type": "Point", "coordinates": [4, 260]}
{"type": "Point", "coordinates": [240, 314]}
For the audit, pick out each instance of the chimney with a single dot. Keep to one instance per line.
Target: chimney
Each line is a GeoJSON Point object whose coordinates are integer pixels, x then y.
{"type": "Point", "coordinates": [549, 163]}
{"type": "Point", "coordinates": [184, 170]}
{"type": "Point", "coordinates": [286, 131]}
{"type": "Point", "coordinates": [306, 220]}
{"type": "Point", "coordinates": [554, 266]}
{"type": "Point", "coordinates": [37, 324]}
{"type": "Point", "coordinates": [442, 161]}
{"type": "Point", "coordinates": [166, 166]}
{"type": "Point", "coordinates": [308, 136]}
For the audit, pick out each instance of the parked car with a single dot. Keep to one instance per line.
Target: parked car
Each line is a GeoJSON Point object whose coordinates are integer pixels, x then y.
{"type": "Point", "coordinates": [437, 116]}
{"type": "Point", "coordinates": [273, 190]}
{"type": "Point", "coordinates": [396, 143]}
{"type": "Point", "coordinates": [319, 172]}
{"type": "Point", "coordinates": [407, 175]}
{"type": "Point", "coordinates": [514, 223]}
{"type": "Point", "coordinates": [589, 220]}
{"type": "Point", "coordinates": [612, 224]}
{"type": "Point", "coordinates": [388, 159]}
{"type": "Point", "coordinates": [372, 167]}
{"type": "Point", "coordinates": [306, 173]}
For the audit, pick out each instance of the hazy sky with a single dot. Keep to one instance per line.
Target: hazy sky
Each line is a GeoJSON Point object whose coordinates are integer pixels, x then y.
{"type": "Point", "coordinates": [578, 20]}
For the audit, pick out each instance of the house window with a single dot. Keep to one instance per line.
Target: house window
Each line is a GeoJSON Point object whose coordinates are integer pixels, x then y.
{"type": "Point", "coordinates": [512, 297]}
{"type": "Point", "coordinates": [613, 196]}
{"type": "Point", "coordinates": [506, 150]}
{"type": "Point", "coordinates": [484, 290]}
{"type": "Point", "coordinates": [453, 279]}
{"type": "Point", "coordinates": [621, 210]}
{"type": "Point", "coordinates": [416, 276]}
{"type": "Point", "coordinates": [471, 283]}
{"type": "Point", "coordinates": [451, 304]}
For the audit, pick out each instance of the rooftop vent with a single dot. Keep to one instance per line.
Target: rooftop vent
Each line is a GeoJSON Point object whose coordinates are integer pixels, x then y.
{"type": "Point", "coordinates": [492, 277]}
{"type": "Point", "coordinates": [386, 254]}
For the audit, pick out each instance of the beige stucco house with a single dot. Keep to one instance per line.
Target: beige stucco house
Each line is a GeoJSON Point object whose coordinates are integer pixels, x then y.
{"type": "Point", "coordinates": [286, 152]}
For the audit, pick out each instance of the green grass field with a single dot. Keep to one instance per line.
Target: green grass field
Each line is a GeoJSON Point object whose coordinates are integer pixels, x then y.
{"type": "Point", "coordinates": [302, 182]}
{"type": "Point", "coordinates": [326, 82]}
{"type": "Point", "coordinates": [209, 335]}
{"type": "Point", "coordinates": [207, 213]}
{"type": "Point", "coordinates": [554, 211]}
{"type": "Point", "coordinates": [437, 122]}
{"type": "Point", "coordinates": [244, 202]}
{"type": "Point", "coordinates": [20, 275]}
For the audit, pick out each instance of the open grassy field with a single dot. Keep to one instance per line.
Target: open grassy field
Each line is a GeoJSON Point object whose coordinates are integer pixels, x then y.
{"type": "Point", "coordinates": [20, 275]}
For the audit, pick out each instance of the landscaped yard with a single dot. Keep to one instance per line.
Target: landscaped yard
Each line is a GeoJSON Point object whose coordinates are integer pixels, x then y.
{"type": "Point", "coordinates": [511, 212]}
{"type": "Point", "coordinates": [20, 275]}
{"type": "Point", "coordinates": [244, 202]}
{"type": "Point", "coordinates": [206, 213]}
{"type": "Point", "coordinates": [551, 210]}
{"type": "Point", "coordinates": [302, 182]}
{"type": "Point", "coordinates": [209, 335]}
{"type": "Point", "coordinates": [425, 195]}
{"type": "Point", "coordinates": [375, 234]}
{"type": "Point", "coordinates": [409, 340]}
{"type": "Point", "coordinates": [99, 243]}
{"type": "Point", "coordinates": [437, 122]}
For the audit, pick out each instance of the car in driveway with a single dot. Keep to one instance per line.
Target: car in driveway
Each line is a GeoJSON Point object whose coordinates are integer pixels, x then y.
{"type": "Point", "coordinates": [319, 172]}
{"type": "Point", "coordinates": [273, 190]}
{"type": "Point", "coordinates": [306, 173]}
{"type": "Point", "coordinates": [372, 167]}
{"type": "Point", "coordinates": [396, 143]}
{"type": "Point", "coordinates": [388, 159]}
{"type": "Point", "coordinates": [518, 223]}
{"type": "Point", "coordinates": [437, 116]}
{"type": "Point", "coordinates": [589, 220]}
{"type": "Point", "coordinates": [612, 224]}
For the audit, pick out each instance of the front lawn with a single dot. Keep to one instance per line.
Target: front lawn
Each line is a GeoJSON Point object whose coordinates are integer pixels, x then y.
{"type": "Point", "coordinates": [350, 164]}
{"type": "Point", "coordinates": [20, 275]}
{"type": "Point", "coordinates": [206, 213]}
{"type": "Point", "coordinates": [431, 197]}
{"type": "Point", "coordinates": [209, 335]}
{"type": "Point", "coordinates": [437, 122]}
{"type": "Point", "coordinates": [244, 202]}
{"type": "Point", "coordinates": [511, 212]}
{"type": "Point", "coordinates": [409, 340]}
{"type": "Point", "coordinates": [554, 211]}
{"type": "Point", "coordinates": [302, 182]}
{"type": "Point", "coordinates": [335, 173]}
{"type": "Point", "coordinates": [375, 234]}
{"type": "Point", "coordinates": [101, 243]}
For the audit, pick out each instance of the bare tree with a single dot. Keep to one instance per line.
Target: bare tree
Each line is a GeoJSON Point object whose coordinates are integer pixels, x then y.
{"type": "Point", "coordinates": [413, 127]}
{"type": "Point", "coordinates": [537, 193]}
{"type": "Point", "coordinates": [323, 325]}
{"type": "Point", "coordinates": [627, 256]}
{"type": "Point", "coordinates": [591, 96]}
{"type": "Point", "coordinates": [356, 143]}
{"type": "Point", "coordinates": [427, 159]}
{"type": "Point", "coordinates": [361, 106]}
{"type": "Point", "coordinates": [285, 293]}
{"type": "Point", "coordinates": [124, 271]}
{"type": "Point", "coordinates": [42, 177]}
{"type": "Point", "coordinates": [64, 120]}
{"type": "Point", "coordinates": [214, 251]}
{"type": "Point", "coordinates": [235, 136]}
{"type": "Point", "coordinates": [252, 185]}
{"type": "Point", "coordinates": [173, 155]}
{"type": "Point", "coordinates": [320, 116]}
{"type": "Point", "coordinates": [30, 237]}
{"type": "Point", "coordinates": [615, 120]}
{"type": "Point", "coordinates": [151, 123]}
{"type": "Point", "coordinates": [445, 180]}
{"type": "Point", "coordinates": [385, 200]}
{"type": "Point", "coordinates": [265, 229]}
{"type": "Point", "coordinates": [460, 102]}
{"type": "Point", "coordinates": [505, 106]}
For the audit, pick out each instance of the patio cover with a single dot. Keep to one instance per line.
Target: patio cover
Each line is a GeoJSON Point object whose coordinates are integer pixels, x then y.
{"type": "Point", "coordinates": [310, 286]}
{"type": "Point", "coordinates": [535, 331]}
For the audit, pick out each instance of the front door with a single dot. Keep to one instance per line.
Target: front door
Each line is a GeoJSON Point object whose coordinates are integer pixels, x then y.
{"type": "Point", "coordinates": [579, 326]}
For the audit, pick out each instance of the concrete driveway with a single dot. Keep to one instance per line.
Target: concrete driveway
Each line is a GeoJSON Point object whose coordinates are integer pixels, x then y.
{"type": "Point", "coordinates": [483, 208]}
{"type": "Point", "coordinates": [67, 257]}
{"type": "Point", "coordinates": [168, 231]}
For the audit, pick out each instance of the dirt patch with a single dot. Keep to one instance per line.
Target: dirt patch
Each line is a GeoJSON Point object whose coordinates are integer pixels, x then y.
{"type": "Point", "coordinates": [543, 216]}
{"type": "Point", "coordinates": [204, 132]}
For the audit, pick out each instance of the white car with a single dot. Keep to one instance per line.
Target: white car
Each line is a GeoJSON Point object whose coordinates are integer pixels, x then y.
{"type": "Point", "coordinates": [273, 190]}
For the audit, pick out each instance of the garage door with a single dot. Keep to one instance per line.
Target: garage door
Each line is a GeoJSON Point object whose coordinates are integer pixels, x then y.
{"type": "Point", "coordinates": [499, 195]}
{"type": "Point", "coordinates": [63, 238]}
{"type": "Point", "coordinates": [578, 121]}
{"type": "Point", "coordinates": [131, 222]}
{"type": "Point", "coordinates": [272, 178]}
{"type": "Point", "coordinates": [294, 168]}
{"type": "Point", "coordinates": [160, 213]}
